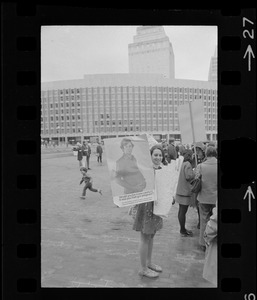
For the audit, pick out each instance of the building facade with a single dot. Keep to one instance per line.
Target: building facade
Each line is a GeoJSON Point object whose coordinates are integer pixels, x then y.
{"type": "Point", "coordinates": [145, 100]}
{"type": "Point", "coordinates": [151, 52]}
{"type": "Point", "coordinates": [122, 104]}
{"type": "Point", "coordinates": [213, 69]}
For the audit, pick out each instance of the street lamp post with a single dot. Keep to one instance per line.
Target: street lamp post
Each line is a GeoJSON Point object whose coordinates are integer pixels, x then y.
{"type": "Point", "coordinates": [58, 135]}
{"type": "Point", "coordinates": [81, 135]}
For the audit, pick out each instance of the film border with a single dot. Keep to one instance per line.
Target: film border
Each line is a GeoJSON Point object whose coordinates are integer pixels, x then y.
{"type": "Point", "coordinates": [21, 163]}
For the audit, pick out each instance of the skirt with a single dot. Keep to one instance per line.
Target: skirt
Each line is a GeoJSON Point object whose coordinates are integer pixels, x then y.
{"type": "Point", "coordinates": [185, 200]}
{"type": "Point", "coordinates": [145, 221]}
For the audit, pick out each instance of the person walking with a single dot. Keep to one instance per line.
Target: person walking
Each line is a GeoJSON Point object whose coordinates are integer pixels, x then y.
{"type": "Point", "coordinates": [207, 196]}
{"type": "Point", "coordinates": [148, 224]}
{"type": "Point", "coordinates": [99, 152]}
{"type": "Point", "coordinates": [183, 192]}
{"type": "Point", "coordinates": [87, 179]}
{"type": "Point", "coordinates": [171, 151]}
{"type": "Point", "coordinates": [86, 152]}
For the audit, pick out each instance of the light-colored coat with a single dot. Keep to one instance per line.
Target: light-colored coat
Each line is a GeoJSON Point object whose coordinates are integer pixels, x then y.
{"type": "Point", "coordinates": [210, 237]}
{"type": "Point", "coordinates": [208, 169]}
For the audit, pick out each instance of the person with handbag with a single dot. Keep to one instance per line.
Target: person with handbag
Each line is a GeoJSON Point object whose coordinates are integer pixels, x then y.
{"type": "Point", "coordinates": [183, 192]}
{"type": "Point", "coordinates": [207, 196]}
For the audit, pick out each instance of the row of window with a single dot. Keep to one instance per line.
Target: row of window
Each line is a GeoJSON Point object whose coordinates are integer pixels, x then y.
{"type": "Point", "coordinates": [114, 90]}
{"type": "Point", "coordinates": [117, 129]}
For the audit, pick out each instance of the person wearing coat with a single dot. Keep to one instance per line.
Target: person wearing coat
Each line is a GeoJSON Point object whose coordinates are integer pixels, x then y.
{"type": "Point", "coordinates": [80, 155]}
{"type": "Point", "coordinates": [99, 152]}
{"type": "Point", "coordinates": [171, 151]}
{"type": "Point", "coordinates": [211, 255]}
{"type": "Point", "coordinates": [86, 150]}
{"type": "Point", "coordinates": [183, 192]}
{"type": "Point", "coordinates": [207, 196]}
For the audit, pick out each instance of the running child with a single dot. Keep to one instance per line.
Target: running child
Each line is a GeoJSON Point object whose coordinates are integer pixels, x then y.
{"type": "Point", "coordinates": [88, 183]}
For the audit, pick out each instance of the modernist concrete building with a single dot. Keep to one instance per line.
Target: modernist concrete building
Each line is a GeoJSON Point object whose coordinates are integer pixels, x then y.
{"type": "Point", "coordinates": [143, 101]}
{"type": "Point", "coordinates": [213, 69]}
{"type": "Point", "coordinates": [151, 52]}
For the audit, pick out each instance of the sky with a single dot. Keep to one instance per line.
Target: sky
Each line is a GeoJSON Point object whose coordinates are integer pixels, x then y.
{"type": "Point", "coordinates": [70, 52]}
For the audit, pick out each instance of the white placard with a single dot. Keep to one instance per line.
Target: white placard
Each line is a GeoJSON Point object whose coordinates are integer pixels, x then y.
{"type": "Point", "coordinates": [191, 122]}
{"type": "Point", "coordinates": [131, 176]}
{"type": "Point", "coordinates": [166, 180]}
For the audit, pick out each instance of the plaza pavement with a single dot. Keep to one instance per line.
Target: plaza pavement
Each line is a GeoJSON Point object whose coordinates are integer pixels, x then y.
{"type": "Point", "coordinates": [90, 243]}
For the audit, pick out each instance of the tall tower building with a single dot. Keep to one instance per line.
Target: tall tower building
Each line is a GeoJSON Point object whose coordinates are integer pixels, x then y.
{"type": "Point", "coordinates": [213, 70]}
{"type": "Point", "coordinates": [151, 52]}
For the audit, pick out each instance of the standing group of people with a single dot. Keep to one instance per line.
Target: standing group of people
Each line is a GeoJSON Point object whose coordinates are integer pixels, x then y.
{"type": "Point", "coordinates": [199, 161]}
{"type": "Point", "coordinates": [84, 153]}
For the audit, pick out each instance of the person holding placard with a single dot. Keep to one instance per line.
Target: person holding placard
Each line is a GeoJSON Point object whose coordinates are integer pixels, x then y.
{"type": "Point", "coordinates": [148, 223]}
{"type": "Point", "coordinates": [183, 192]}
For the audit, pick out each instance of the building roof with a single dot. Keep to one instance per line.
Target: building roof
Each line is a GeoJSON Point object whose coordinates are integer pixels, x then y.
{"type": "Point", "coordinates": [126, 79]}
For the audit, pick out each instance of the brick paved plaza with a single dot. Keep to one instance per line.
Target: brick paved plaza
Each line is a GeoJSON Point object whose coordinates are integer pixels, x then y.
{"type": "Point", "coordinates": [90, 243]}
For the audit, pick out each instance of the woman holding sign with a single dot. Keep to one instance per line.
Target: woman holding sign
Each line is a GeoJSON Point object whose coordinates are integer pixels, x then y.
{"type": "Point", "coordinates": [148, 223]}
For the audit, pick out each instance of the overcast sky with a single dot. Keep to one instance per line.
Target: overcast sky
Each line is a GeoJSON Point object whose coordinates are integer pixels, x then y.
{"type": "Point", "coordinates": [70, 52]}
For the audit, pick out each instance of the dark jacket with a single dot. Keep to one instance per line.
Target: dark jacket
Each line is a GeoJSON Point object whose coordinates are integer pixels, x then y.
{"type": "Point", "coordinates": [185, 177]}
{"type": "Point", "coordinates": [171, 153]}
{"type": "Point", "coordinates": [80, 154]}
{"type": "Point", "coordinates": [86, 150]}
{"type": "Point", "coordinates": [99, 149]}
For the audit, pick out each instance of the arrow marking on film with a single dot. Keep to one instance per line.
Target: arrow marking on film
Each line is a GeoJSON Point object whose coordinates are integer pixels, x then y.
{"type": "Point", "coordinates": [250, 194]}
{"type": "Point", "coordinates": [249, 52]}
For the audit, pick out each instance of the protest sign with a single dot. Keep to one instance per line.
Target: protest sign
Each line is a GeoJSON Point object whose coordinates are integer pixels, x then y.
{"type": "Point", "coordinates": [191, 122]}
{"type": "Point", "coordinates": [166, 180]}
{"type": "Point", "coordinates": [130, 168]}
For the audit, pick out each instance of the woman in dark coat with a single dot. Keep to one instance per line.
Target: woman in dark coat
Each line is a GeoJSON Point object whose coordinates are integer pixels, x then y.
{"type": "Point", "coordinates": [80, 155]}
{"type": "Point", "coordinates": [183, 192]}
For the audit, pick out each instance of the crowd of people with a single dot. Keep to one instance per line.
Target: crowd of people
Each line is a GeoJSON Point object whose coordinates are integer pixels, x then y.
{"type": "Point", "coordinates": [199, 161]}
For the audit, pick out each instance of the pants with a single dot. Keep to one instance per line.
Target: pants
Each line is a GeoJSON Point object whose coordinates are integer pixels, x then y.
{"type": "Point", "coordinates": [99, 158]}
{"type": "Point", "coordinates": [205, 211]}
{"type": "Point", "coordinates": [88, 185]}
{"type": "Point", "coordinates": [86, 159]}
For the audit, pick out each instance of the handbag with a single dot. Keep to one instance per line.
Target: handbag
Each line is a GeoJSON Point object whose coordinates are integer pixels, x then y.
{"type": "Point", "coordinates": [196, 184]}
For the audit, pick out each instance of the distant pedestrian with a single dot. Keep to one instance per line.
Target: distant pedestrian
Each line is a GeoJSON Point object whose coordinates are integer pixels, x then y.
{"type": "Point", "coordinates": [171, 151]}
{"type": "Point", "coordinates": [86, 150]}
{"type": "Point", "coordinates": [87, 179]}
{"type": "Point", "coordinates": [207, 196]}
{"type": "Point", "coordinates": [165, 149]}
{"type": "Point", "coordinates": [99, 152]}
{"type": "Point", "coordinates": [183, 192]}
{"type": "Point", "coordinates": [211, 255]}
{"type": "Point", "coordinates": [79, 155]}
